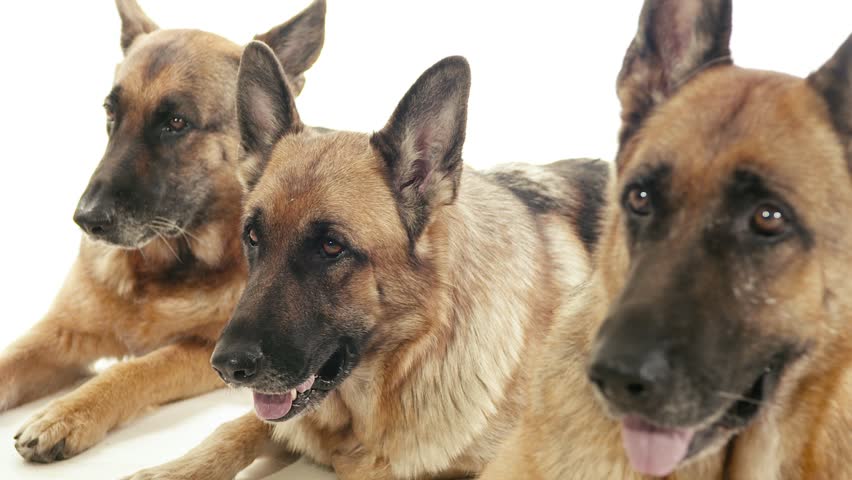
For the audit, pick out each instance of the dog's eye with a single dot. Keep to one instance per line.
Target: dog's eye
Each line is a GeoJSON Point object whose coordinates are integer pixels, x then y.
{"type": "Point", "coordinates": [638, 200]}
{"type": "Point", "coordinates": [176, 124]}
{"type": "Point", "coordinates": [330, 248]}
{"type": "Point", "coordinates": [251, 237]}
{"type": "Point", "coordinates": [769, 220]}
{"type": "Point", "coordinates": [110, 112]}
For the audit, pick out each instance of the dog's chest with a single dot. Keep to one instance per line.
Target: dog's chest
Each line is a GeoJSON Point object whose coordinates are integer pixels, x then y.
{"type": "Point", "coordinates": [153, 317]}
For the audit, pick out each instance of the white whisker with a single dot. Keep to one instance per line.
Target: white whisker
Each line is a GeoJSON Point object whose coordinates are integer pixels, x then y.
{"type": "Point", "coordinates": [166, 241]}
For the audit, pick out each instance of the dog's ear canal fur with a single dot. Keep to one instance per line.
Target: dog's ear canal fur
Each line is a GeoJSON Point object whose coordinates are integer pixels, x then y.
{"type": "Point", "coordinates": [266, 109]}
{"type": "Point", "coordinates": [834, 82]}
{"type": "Point", "coordinates": [134, 22]}
{"type": "Point", "coordinates": [422, 142]}
{"type": "Point", "coordinates": [675, 40]}
{"type": "Point", "coordinates": [298, 42]}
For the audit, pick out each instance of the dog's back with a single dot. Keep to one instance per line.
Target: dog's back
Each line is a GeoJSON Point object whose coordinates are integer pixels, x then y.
{"type": "Point", "coordinates": [572, 189]}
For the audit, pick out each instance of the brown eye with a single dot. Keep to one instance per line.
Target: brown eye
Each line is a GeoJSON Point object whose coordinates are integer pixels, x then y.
{"type": "Point", "coordinates": [769, 220]}
{"type": "Point", "coordinates": [639, 201]}
{"type": "Point", "coordinates": [331, 248]}
{"type": "Point", "coordinates": [176, 124]}
{"type": "Point", "coordinates": [251, 235]}
{"type": "Point", "coordinates": [110, 112]}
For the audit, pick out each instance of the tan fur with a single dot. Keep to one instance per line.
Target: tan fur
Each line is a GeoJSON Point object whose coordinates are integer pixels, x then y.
{"type": "Point", "coordinates": [443, 379]}
{"type": "Point", "coordinates": [780, 127]}
{"type": "Point", "coordinates": [161, 306]}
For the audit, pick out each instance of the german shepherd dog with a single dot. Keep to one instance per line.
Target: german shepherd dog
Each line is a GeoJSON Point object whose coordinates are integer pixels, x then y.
{"type": "Point", "coordinates": [716, 331]}
{"type": "Point", "coordinates": [160, 268]}
{"type": "Point", "coordinates": [393, 298]}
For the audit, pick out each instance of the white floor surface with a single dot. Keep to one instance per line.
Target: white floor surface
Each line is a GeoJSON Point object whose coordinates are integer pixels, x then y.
{"type": "Point", "coordinates": [160, 435]}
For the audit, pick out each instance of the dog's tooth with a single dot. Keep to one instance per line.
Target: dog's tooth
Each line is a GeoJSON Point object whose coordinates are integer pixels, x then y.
{"type": "Point", "coordinates": [293, 394]}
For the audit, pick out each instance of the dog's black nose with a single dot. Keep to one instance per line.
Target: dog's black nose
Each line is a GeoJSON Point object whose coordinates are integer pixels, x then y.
{"type": "Point", "coordinates": [629, 381]}
{"type": "Point", "coordinates": [93, 221]}
{"type": "Point", "coordinates": [237, 365]}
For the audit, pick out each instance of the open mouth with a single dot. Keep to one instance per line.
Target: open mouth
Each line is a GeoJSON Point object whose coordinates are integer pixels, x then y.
{"type": "Point", "coordinates": [281, 406]}
{"type": "Point", "coordinates": [658, 451]}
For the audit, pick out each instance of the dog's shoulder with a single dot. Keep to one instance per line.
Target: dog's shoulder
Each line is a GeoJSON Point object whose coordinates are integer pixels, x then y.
{"type": "Point", "coordinates": [574, 189]}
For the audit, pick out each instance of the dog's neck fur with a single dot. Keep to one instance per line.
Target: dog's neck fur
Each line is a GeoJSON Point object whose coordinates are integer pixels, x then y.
{"type": "Point", "coordinates": [490, 288]}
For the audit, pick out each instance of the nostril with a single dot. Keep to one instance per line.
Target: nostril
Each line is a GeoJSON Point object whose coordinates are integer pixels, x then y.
{"type": "Point", "coordinates": [242, 375]}
{"type": "Point", "coordinates": [618, 382]}
{"type": "Point", "coordinates": [240, 368]}
{"type": "Point", "coordinates": [635, 389]}
{"type": "Point", "coordinates": [94, 222]}
{"type": "Point", "coordinates": [237, 364]}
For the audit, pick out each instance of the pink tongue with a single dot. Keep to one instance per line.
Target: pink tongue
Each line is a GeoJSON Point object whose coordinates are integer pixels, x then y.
{"type": "Point", "coordinates": [651, 450]}
{"type": "Point", "coordinates": [272, 407]}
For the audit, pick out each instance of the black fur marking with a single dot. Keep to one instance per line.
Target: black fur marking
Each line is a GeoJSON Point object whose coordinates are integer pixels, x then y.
{"type": "Point", "coordinates": [530, 192]}
{"type": "Point", "coordinates": [585, 177]}
{"type": "Point", "coordinates": [590, 178]}
{"type": "Point", "coordinates": [745, 192]}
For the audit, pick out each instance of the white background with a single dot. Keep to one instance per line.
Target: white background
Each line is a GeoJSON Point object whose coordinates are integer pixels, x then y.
{"type": "Point", "coordinates": [543, 89]}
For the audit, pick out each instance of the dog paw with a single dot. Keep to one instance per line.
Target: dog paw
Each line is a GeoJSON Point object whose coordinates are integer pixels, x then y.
{"type": "Point", "coordinates": [61, 431]}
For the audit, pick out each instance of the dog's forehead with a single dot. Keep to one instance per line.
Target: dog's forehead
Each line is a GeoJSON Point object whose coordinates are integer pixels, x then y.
{"type": "Point", "coordinates": [730, 120]}
{"type": "Point", "coordinates": [191, 61]}
{"type": "Point", "coordinates": [333, 178]}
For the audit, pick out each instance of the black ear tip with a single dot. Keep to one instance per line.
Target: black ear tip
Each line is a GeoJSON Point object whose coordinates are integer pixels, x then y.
{"type": "Point", "coordinates": [457, 62]}
{"type": "Point", "coordinates": [454, 68]}
{"type": "Point", "coordinates": [318, 7]}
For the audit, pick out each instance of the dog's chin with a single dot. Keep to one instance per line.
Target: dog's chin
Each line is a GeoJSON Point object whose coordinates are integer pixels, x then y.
{"type": "Point", "coordinates": [657, 448]}
{"type": "Point", "coordinates": [282, 405]}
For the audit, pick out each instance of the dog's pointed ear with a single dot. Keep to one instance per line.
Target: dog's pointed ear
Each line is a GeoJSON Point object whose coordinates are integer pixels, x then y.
{"type": "Point", "coordinates": [298, 42]}
{"type": "Point", "coordinates": [834, 82]}
{"type": "Point", "coordinates": [422, 142]}
{"type": "Point", "coordinates": [265, 109]}
{"type": "Point", "coordinates": [134, 22]}
{"type": "Point", "coordinates": [675, 40]}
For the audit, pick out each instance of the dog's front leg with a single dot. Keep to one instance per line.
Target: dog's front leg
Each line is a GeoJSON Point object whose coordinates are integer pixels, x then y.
{"type": "Point", "coordinates": [227, 451]}
{"type": "Point", "coordinates": [357, 464]}
{"type": "Point", "coordinates": [80, 419]}
{"type": "Point", "coordinates": [54, 354]}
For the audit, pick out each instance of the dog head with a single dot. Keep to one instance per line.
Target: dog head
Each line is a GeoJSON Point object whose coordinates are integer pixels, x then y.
{"type": "Point", "coordinates": [171, 121]}
{"type": "Point", "coordinates": [732, 192]}
{"type": "Point", "coordinates": [334, 231]}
